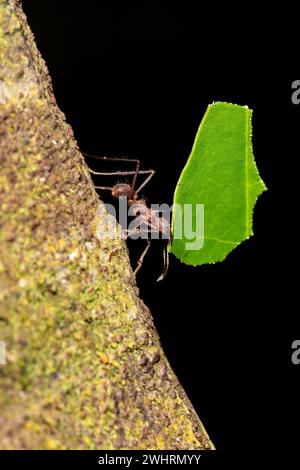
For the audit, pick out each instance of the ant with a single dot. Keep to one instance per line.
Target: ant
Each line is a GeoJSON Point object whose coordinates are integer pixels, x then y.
{"type": "Point", "coordinates": [148, 218]}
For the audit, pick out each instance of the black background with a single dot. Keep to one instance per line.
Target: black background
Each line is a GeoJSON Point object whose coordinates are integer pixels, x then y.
{"type": "Point", "coordinates": [135, 81]}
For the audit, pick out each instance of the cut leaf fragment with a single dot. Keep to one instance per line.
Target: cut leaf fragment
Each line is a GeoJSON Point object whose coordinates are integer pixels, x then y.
{"type": "Point", "coordinates": [221, 175]}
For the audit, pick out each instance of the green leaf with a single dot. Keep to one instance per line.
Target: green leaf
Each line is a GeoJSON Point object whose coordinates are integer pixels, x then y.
{"type": "Point", "coordinates": [222, 175]}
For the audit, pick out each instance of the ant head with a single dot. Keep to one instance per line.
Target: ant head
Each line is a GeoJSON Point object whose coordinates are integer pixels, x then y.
{"type": "Point", "coordinates": [122, 189]}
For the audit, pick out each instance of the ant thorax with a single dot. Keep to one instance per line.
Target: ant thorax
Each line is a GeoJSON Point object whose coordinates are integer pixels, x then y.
{"type": "Point", "coordinates": [138, 207]}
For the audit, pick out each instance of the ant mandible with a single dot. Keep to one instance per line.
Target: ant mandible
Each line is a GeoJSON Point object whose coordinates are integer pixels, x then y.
{"type": "Point", "coordinates": [148, 219]}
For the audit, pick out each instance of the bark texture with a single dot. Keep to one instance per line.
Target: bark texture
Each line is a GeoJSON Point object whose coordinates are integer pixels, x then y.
{"type": "Point", "coordinates": [85, 368]}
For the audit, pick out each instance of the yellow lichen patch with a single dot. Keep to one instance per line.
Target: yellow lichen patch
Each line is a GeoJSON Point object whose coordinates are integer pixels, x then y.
{"type": "Point", "coordinates": [103, 357]}
{"type": "Point", "coordinates": [52, 444]}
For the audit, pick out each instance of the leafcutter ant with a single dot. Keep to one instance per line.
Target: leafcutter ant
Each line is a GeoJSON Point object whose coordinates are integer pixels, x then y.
{"type": "Point", "coordinates": [148, 219]}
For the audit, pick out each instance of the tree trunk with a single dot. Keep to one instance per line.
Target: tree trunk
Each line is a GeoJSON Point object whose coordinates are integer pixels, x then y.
{"type": "Point", "coordinates": [84, 365]}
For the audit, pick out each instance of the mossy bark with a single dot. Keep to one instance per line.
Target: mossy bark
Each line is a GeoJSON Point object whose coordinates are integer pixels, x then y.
{"type": "Point", "coordinates": [85, 368]}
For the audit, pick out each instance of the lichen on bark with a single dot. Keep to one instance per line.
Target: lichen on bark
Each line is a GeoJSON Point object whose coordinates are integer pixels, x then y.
{"type": "Point", "coordinates": [85, 368]}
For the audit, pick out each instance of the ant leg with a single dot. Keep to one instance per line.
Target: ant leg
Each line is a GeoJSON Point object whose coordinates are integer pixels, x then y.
{"type": "Point", "coordinates": [141, 258]}
{"type": "Point", "coordinates": [108, 188]}
{"type": "Point", "coordinates": [152, 172]}
{"type": "Point", "coordinates": [137, 169]}
{"type": "Point", "coordinates": [111, 159]}
{"type": "Point", "coordinates": [140, 172]}
{"type": "Point", "coordinates": [166, 265]}
{"type": "Point", "coordinates": [120, 173]}
{"type": "Point", "coordinates": [118, 159]}
{"type": "Point", "coordinates": [135, 173]}
{"type": "Point", "coordinates": [126, 232]}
